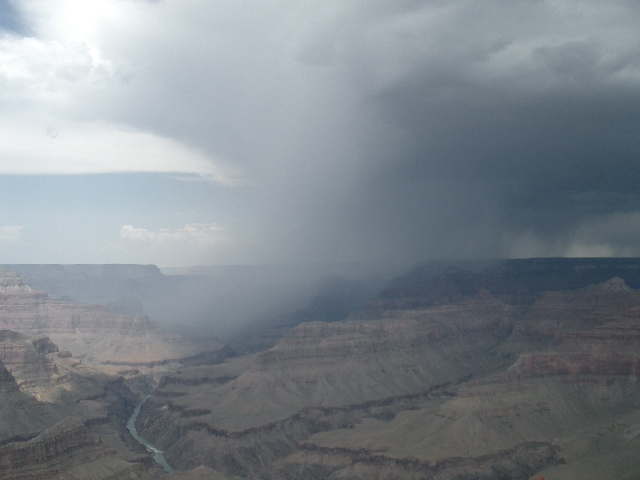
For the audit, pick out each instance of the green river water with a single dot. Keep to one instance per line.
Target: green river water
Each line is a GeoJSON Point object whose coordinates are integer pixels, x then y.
{"type": "Point", "coordinates": [157, 454]}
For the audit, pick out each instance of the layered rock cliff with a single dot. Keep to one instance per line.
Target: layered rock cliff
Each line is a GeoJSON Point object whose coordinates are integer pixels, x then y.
{"type": "Point", "coordinates": [90, 332]}
{"type": "Point", "coordinates": [26, 359]}
{"type": "Point", "coordinates": [476, 386]}
{"type": "Point", "coordinates": [104, 364]}
{"type": "Point", "coordinates": [476, 376]}
{"type": "Point", "coordinates": [11, 282]}
{"type": "Point", "coordinates": [91, 284]}
{"type": "Point", "coordinates": [22, 416]}
{"type": "Point", "coordinates": [578, 396]}
{"type": "Point", "coordinates": [52, 386]}
{"type": "Point", "coordinates": [65, 451]}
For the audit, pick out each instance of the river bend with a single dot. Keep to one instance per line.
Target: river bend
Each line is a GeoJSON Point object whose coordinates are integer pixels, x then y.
{"type": "Point", "coordinates": [157, 454]}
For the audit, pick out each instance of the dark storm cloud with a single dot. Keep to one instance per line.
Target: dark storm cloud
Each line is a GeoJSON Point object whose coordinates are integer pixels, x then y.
{"type": "Point", "coordinates": [478, 129]}
{"type": "Point", "coordinates": [365, 129]}
{"type": "Point", "coordinates": [489, 147]}
{"type": "Point", "coordinates": [535, 150]}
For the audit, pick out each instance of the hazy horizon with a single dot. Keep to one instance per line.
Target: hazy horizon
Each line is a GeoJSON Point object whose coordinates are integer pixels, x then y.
{"type": "Point", "coordinates": [240, 133]}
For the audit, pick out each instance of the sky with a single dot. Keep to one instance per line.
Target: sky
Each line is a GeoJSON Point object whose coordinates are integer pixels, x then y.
{"type": "Point", "coordinates": [209, 132]}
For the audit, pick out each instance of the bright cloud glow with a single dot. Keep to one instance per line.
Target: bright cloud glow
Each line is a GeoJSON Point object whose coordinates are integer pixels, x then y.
{"type": "Point", "coordinates": [35, 67]}
{"type": "Point", "coordinates": [73, 19]}
{"type": "Point", "coordinates": [50, 77]}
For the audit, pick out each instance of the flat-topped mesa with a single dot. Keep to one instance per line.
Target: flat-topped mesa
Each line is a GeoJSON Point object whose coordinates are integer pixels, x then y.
{"type": "Point", "coordinates": [11, 282]}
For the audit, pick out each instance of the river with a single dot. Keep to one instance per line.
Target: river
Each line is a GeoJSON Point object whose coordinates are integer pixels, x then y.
{"type": "Point", "coordinates": [157, 454]}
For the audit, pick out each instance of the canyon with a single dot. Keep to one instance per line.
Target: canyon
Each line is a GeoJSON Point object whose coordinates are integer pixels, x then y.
{"type": "Point", "coordinates": [71, 376]}
{"type": "Point", "coordinates": [512, 370]}
{"type": "Point", "coordinates": [476, 385]}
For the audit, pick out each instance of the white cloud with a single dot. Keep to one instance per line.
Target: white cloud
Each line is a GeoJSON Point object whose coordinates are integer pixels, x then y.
{"type": "Point", "coordinates": [191, 244]}
{"type": "Point", "coordinates": [11, 233]}
{"type": "Point", "coordinates": [73, 19]}
{"type": "Point", "coordinates": [52, 90]}
{"type": "Point", "coordinates": [97, 147]}
{"type": "Point", "coordinates": [37, 69]}
{"type": "Point", "coordinates": [193, 233]}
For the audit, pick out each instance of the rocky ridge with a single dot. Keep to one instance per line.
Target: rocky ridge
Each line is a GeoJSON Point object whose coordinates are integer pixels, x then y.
{"type": "Point", "coordinates": [22, 416]}
{"type": "Point", "coordinates": [65, 451]}
{"type": "Point", "coordinates": [11, 282]}
{"type": "Point", "coordinates": [27, 361]}
{"type": "Point", "coordinates": [518, 280]}
{"type": "Point", "coordinates": [500, 381]}
{"type": "Point", "coordinates": [107, 364]}
{"type": "Point", "coordinates": [478, 386]}
{"type": "Point", "coordinates": [92, 333]}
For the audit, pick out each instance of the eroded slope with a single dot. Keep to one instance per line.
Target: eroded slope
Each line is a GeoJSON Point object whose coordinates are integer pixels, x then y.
{"type": "Point", "coordinates": [94, 333]}
{"type": "Point", "coordinates": [479, 388]}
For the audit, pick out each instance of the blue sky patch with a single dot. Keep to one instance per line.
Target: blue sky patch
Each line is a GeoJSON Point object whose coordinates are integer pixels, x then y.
{"type": "Point", "coordinates": [10, 18]}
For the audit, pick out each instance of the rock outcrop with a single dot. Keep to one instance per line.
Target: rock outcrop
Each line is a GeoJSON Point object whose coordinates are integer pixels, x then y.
{"type": "Point", "coordinates": [107, 364]}
{"type": "Point", "coordinates": [51, 387]}
{"type": "Point", "coordinates": [476, 385]}
{"type": "Point", "coordinates": [468, 376]}
{"type": "Point", "coordinates": [65, 451]}
{"type": "Point", "coordinates": [90, 332]}
{"type": "Point", "coordinates": [26, 359]}
{"type": "Point", "coordinates": [11, 282]}
{"type": "Point", "coordinates": [21, 415]}
{"type": "Point", "coordinates": [7, 382]}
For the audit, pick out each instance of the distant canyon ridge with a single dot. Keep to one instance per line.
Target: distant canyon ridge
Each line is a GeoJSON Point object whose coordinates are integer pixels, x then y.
{"type": "Point", "coordinates": [511, 369]}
